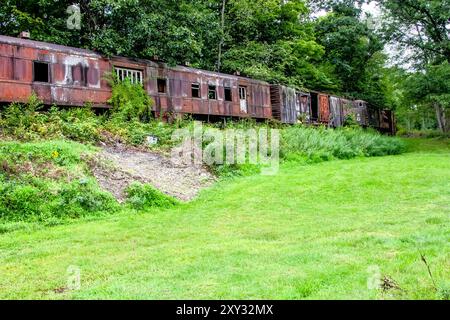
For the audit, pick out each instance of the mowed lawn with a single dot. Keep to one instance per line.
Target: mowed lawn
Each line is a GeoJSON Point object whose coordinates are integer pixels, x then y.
{"type": "Point", "coordinates": [312, 232]}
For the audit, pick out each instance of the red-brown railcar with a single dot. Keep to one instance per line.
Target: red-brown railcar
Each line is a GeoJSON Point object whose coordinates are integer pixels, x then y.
{"type": "Point", "coordinates": [58, 74]}
{"type": "Point", "coordinates": [69, 76]}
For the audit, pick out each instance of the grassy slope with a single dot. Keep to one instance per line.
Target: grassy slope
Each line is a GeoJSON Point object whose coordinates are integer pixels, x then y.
{"type": "Point", "coordinates": [309, 232]}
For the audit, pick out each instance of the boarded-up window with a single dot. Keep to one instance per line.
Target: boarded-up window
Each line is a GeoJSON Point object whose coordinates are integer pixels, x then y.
{"type": "Point", "coordinates": [196, 90]}
{"type": "Point", "coordinates": [162, 85]}
{"type": "Point", "coordinates": [135, 76]}
{"type": "Point", "coordinates": [228, 94]}
{"type": "Point", "coordinates": [212, 94]}
{"type": "Point", "coordinates": [41, 72]}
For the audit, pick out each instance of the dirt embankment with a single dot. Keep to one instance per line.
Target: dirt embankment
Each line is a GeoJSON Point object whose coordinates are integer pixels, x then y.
{"type": "Point", "coordinates": [117, 166]}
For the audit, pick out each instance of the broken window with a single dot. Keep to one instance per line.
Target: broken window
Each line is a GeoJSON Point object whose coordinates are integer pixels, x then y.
{"type": "Point", "coordinates": [212, 94]}
{"type": "Point", "coordinates": [242, 93]}
{"type": "Point", "coordinates": [162, 85]}
{"type": "Point", "coordinates": [195, 90]}
{"type": "Point", "coordinates": [228, 94]}
{"type": "Point", "coordinates": [41, 72]}
{"type": "Point", "coordinates": [135, 76]}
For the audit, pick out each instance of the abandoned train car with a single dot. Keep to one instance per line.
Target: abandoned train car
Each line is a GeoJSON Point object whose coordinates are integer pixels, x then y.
{"type": "Point", "coordinates": [67, 76]}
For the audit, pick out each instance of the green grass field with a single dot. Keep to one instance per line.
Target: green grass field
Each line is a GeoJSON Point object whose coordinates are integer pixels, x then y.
{"type": "Point", "coordinates": [312, 232]}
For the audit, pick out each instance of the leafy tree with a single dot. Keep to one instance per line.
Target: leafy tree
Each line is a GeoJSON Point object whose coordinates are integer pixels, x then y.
{"type": "Point", "coordinates": [273, 40]}
{"type": "Point", "coordinates": [432, 88]}
{"type": "Point", "coordinates": [422, 26]}
{"type": "Point", "coordinates": [353, 52]}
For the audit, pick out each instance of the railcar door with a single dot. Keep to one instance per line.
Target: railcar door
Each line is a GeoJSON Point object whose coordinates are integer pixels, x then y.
{"type": "Point", "coordinates": [324, 108]}
{"type": "Point", "coordinates": [243, 99]}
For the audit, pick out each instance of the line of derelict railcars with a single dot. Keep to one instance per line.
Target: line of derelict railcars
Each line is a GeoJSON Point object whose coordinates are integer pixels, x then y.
{"type": "Point", "coordinates": [67, 76]}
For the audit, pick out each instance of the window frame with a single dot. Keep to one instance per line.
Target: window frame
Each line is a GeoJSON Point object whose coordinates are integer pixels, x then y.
{"type": "Point", "coordinates": [199, 88]}
{"type": "Point", "coordinates": [242, 92]}
{"type": "Point", "coordinates": [137, 75]}
{"type": "Point", "coordinates": [158, 81]}
{"type": "Point", "coordinates": [35, 62]}
{"type": "Point", "coordinates": [230, 90]}
{"type": "Point", "coordinates": [214, 90]}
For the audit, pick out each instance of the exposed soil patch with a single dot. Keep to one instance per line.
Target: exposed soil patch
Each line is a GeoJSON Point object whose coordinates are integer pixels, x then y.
{"type": "Point", "coordinates": [117, 166]}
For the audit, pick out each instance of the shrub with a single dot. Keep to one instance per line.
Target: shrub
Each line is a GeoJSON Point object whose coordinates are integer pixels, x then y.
{"type": "Point", "coordinates": [130, 102]}
{"type": "Point", "coordinates": [26, 122]}
{"type": "Point", "coordinates": [143, 197]}
{"type": "Point", "coordinates": [44, 201]}
{"type": "Point", "coordinates": [81, 198]}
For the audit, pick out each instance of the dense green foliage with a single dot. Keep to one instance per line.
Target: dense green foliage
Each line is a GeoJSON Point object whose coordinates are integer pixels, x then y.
{"type": "Point", "coordinates": [420, 29]}
{"type": "Point", "coordinates": [144, 197]}
{"type": "Point", "coordinates": [324, 144]}
{"type": "Point", "coordinates": [48, 183]}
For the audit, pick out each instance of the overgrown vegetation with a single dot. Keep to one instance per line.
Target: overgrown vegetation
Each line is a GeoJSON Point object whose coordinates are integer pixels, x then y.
{"type": "Point", "coordinates": [143, 197]}
{"type": "Point", "coordinates": [47, 180]}
{"type": "Point", "coordinates": [48, 183]}
{"type": "Point", "coordinates": [346, 143]}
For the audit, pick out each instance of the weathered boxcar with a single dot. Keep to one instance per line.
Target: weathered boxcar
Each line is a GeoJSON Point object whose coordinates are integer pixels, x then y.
{"type": "Point", "coordinates": [285, 104]}
{"type": "Point", "coordinates": [290, 105]}
{"type": "Point", "coordinates": [336, 112]}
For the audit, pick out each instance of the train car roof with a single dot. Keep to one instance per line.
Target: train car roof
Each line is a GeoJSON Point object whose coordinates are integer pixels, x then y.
{"type": "Point", "coordinates": [48, 46]}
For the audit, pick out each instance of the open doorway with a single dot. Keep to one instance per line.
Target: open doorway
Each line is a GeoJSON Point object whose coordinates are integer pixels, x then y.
{"type": "Point", "coordinates": [314, 106]}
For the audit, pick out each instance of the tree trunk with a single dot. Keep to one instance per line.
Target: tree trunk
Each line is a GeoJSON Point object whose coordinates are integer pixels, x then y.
{"type": "Point", "coordinates": [441, 118]}
{"type": "Point", "coordinates": [222, 24]}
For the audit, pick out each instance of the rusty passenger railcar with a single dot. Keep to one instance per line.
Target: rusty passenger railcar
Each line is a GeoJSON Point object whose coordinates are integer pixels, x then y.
{"type": "Point", "coordinates": [192, 91]}
{"type": "Point", "coordinates": [67, 76]}
{"type": "Point", "coordinates": [58, 74]}
{"type": "Point", "coordinates": [63, 75]}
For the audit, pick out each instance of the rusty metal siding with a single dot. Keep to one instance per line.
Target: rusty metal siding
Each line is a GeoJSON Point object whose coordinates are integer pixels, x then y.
{"type": "Point", "coordinates": [336, 112]}
{"type": "Point", "coordinates": [74, 75]}
{"type": "Point", "coordinates": [285, 104]}
{"type": "Point", "coordinates": [324, 108]}
{"type": "Point", "coordinates": [179, 96]}
{"type": "Point", "coordinates": [362, 116]}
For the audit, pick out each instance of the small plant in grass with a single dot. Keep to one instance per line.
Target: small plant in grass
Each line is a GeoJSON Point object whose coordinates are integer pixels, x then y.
{"type": "Point", "coordinates": [143, 197]}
